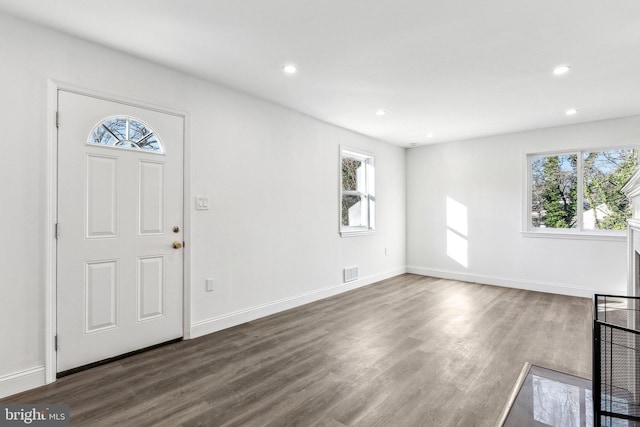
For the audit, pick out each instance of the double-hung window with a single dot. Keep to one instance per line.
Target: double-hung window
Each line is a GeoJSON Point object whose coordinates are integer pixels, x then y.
{"type": "Point", "coordinates": [357, 193]}
{"type": "Point", "coordinates": [580, 191]}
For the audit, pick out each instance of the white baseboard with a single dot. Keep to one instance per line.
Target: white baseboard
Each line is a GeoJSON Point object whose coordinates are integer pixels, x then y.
{"type": "Point", "coordinates": [228, 320]}
{"type": "Point", "coordinates": [21, 381]}
{"type": "Point", "coordinates": [530, 285]}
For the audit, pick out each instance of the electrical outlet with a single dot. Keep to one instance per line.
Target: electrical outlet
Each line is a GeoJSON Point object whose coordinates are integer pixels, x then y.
{"type": "Point", "coordinates": [210, 285]}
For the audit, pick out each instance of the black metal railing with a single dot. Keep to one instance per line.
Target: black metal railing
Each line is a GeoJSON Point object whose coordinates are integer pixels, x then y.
{"type": "Point", "coordinates": [616, 360]}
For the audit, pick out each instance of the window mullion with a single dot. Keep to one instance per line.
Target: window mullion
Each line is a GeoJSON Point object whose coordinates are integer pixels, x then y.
{"type": "Point", "coordinates": [580, 191]}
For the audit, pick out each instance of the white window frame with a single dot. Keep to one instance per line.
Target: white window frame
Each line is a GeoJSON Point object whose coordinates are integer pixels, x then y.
{"type": "Point", "coordinates": [368, 193]}
{"type": "Point", "coordinates": [569, 233]}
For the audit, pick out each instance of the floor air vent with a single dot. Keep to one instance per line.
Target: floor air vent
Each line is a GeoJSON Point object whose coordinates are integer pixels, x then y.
{"type": "Point", "coordinates": [351, 274]}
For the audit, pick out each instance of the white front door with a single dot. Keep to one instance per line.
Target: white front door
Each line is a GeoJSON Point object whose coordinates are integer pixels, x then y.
{"type": "Point", "coordinates": [120, 207]}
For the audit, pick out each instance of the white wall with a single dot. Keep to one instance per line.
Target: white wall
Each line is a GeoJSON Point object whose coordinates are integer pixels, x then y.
{"type": "Point", "coordinates": [271, 237]}
{"type": "Point", "coordinates": [487, 176]}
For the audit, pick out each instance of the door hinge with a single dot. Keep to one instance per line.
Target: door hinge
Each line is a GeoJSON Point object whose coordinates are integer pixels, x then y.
{"type": "Point", "coordinates": [55, 342]}
{"type": "Point", "coordinates": [57, 119]}
{"type": "Point", "coordinates": [57, 230]}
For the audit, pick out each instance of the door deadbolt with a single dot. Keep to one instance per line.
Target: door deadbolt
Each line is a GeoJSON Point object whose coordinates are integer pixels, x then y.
{"type": "Point", "coordinates": [176, 229]}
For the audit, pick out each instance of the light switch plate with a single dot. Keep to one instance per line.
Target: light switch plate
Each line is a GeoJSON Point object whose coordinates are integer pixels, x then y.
{"type": "Point", "coordinates": [210, 285]}
{"type": "Point", "coordinates": [202, 203]}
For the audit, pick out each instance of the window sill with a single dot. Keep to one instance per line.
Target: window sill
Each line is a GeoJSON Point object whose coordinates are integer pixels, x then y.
{"type": "Point", "coordinates": [357, 233]}
{"type": "Point", "coordinates": [577, 235]}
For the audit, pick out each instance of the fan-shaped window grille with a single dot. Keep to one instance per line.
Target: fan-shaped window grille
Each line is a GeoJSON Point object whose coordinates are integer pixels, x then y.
{"type": "Point", "coordinates": [126, 132]}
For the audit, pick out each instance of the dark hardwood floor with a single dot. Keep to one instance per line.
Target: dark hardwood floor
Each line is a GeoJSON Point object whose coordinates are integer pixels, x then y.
{"type": "Point", "coordinates": [408, 351]}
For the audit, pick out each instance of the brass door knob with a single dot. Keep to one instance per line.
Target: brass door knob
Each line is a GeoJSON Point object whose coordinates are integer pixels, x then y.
{"type": "Point", "coordinates": [177, 245]}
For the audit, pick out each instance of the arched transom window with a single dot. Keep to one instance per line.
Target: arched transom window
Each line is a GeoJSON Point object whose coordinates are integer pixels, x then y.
{"type": "Point", "coordinates": [126, 132]}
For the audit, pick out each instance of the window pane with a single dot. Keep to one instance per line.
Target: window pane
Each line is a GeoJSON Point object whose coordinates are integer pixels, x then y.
{"type": "Point", "coordinates": [351, 173]}
{"type": "Point", "coordinates": [150, 143]}
{"type": "Point", "coordinates": [371, 178]}
{"type": "Point", "coordinates": [100, 135]}
{"type": "Point", "coordinates": [354, 211]}
{"type": "Point", "coordinates": [554, 191]}
{"type": "Point", "coordinates": [137, 130]}
{"type": "Point", "coordinates": [118, 127]}
{"type": "Point", "coordinates": [125, 133]}
{"type": "Point", "coordinates": [605, 173]}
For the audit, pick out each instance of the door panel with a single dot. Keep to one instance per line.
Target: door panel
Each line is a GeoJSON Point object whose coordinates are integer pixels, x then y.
{"type": "Point", "coordinates": [150, 287]}
{"type": "Point", "coordinates": [119, 278]}
{"type": "Point", "coordinates": [151, 181]}
{"type": "Point", "coordinates": [102, 196]}
{"type": "Point", "coordinates": [101, 290]}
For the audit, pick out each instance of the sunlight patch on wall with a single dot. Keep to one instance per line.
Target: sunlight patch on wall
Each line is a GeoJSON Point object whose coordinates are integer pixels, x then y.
{"type": "Point", "coordinates": [457, 217]}
{"type": "Point", "coordinates": [457, 229]}
{"type": "Point", "coordinates": [457, 248]}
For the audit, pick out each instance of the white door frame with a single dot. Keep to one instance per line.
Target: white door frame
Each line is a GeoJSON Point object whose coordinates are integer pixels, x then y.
{"type": "Point", "coordinates": [52, 208]}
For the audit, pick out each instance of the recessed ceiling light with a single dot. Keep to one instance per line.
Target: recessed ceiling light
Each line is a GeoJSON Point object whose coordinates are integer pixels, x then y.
{"type": "Point", "coordinates": [571, 112]}
{"type": "Point", "coordinates": [562, 69]}
{"type": "Point", "coordinates": [381, 112]}
{"type": "Point", "coordinates": [289, 69]}
{"type": "Point", "coordinates": [429, 135]}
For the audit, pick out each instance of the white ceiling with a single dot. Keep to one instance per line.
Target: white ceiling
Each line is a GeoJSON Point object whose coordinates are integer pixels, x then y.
{"type": "Point", "coordinates": [455, 68]}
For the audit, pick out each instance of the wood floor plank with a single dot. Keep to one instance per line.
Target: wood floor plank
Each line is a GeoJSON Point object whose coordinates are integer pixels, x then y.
{"type": "Point", "coordinates": [408, 351]}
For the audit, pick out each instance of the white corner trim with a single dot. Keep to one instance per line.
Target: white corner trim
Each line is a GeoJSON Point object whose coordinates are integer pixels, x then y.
{"type": "Point", "coordinates": [529, 285]}
{"type": "Point", "coordinates": [235, 318]}
{"type": "Point", "coordinates": [632, 187]}
{"type": "Point", "coordinates": [21, 381]}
